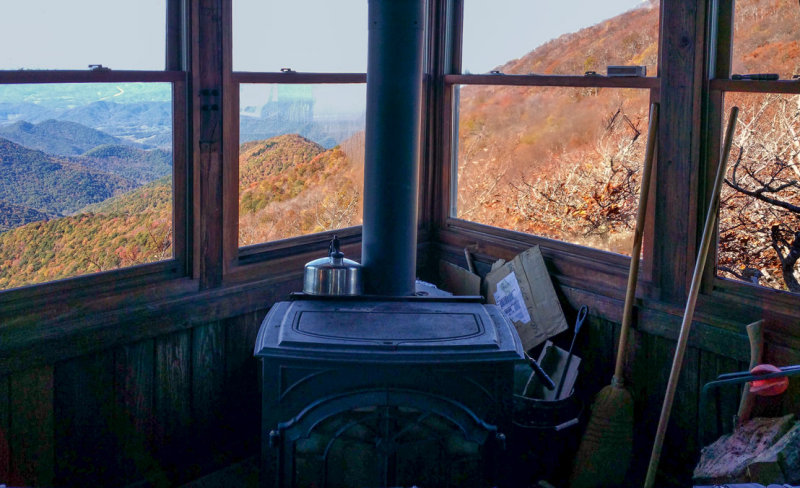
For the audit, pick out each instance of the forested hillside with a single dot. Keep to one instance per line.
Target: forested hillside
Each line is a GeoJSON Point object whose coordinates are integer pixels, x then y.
{"type": "Point", "coordinates": [123, 231]}
{"type": "Point", "coordinates": [52, 184]}
{"type": "Point", "coordinates": [290, 186]}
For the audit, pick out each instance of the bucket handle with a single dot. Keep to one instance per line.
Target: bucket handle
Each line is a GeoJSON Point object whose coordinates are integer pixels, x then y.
{"type": "Point", "coordinates": [567, 424]}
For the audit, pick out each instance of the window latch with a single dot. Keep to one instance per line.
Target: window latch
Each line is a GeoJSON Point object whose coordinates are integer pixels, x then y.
{"type": "Point", "coordinates": [98, 67]}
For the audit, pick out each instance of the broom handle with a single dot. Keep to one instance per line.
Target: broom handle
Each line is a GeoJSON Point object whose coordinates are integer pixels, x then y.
{"type": "Point", "coordinates": [633, 274]}
{"type": "Point", "coordinates": [683, 337]}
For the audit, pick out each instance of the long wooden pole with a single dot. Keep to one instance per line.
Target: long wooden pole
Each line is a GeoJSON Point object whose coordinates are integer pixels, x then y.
{"type": "Point", "coordinates": [633, 273]}
{"type": "Point", "coordinates": [683, 338]}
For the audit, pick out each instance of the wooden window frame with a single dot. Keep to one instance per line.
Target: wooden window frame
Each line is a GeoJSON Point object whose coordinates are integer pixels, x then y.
{"type": "Point", "coordinates": [718, 82]}
{"type": "Point", "coordinates": [254, 261]}
{"type": "Point", "coordinates": [49, 299]}
{"type": "Point", "coordinates": [260, 261]}
{"type": "Point", "coordinates": [566, 257]}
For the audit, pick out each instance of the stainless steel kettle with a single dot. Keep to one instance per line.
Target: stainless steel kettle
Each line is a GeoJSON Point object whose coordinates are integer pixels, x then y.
{"type": "Point", "coordinates": [333, 275]}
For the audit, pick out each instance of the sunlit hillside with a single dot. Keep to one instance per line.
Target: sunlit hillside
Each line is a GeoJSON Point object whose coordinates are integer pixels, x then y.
{"type": "Point", "coordinates": [131, 229]}
{"type": "Point", "coordinates": [290, 186]}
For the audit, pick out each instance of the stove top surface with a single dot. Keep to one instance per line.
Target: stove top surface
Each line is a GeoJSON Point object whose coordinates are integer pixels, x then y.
{"type": "Point", "coordinates": [388, 330]}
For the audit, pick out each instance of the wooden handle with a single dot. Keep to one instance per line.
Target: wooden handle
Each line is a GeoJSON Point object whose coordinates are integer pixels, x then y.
{"type": "Point", "coordinates": [638, 233]}
{"type": "Point", "coordinates": [755, 334]}
{"type": "Point", "coordinates": [683, 337]}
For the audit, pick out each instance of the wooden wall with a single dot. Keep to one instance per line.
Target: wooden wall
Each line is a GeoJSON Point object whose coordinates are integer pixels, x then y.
{"type": "Point", "coordinates": [160, 411]}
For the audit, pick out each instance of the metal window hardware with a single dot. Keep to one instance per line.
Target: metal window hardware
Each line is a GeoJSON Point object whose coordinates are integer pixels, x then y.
{"type": "Point", "coordinates": [209, 99]}
{"type": "Point", "coordinates": [98, 67]}
{"type": "Point", "coordinates": [755, 76]}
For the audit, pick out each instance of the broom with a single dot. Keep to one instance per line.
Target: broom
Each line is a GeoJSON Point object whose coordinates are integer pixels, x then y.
{"type": "Point", "coordinates": [604, 453]}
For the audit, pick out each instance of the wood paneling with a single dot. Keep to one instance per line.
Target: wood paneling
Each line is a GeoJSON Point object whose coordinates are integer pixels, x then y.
{"type": "Point", "coordinates": [173, 446]}
{"type": "Point", "coordinates": [208, 384]}
{"type": "Point", "coordinates": [84, 413]}
{"type": "Point", "coordinates": [720, 410]}
{"type": "Point", "coordinates": [243, 401]}
{"type": "Point", "coordinates": [134, 413]}
{"type": "Point", "coordinates": [5, 425]}
{"type": "Point", "coordinates": [32, 423]}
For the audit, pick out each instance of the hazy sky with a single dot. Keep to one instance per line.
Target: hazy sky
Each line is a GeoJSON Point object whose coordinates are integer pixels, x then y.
{"type": "Point", "coordinates": [311, 35]}
{"type": "Point", "coordinates": [71, 34]}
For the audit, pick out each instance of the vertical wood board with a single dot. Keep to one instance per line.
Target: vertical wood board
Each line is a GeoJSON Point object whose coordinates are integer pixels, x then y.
{"type": "Point", "coordinates": [717, 419]}
{"type": "Point", "coordinates": [242, 400]}
{"type": "Point", "coordinates": [208, 381]}
{"type": "Point", "coordinates": [173, 405]}
{"type": "Point", "coordinates": [83, 409]}
{"type": "Point", "coordinates": [134, 414]}
{"type": "Point", "coordinates": [676, 173]}
{"type": "Point", "coordinates": [5, 425]}
{"type": "Point", "coordinates": [31, 427]}
{"type": "Point", "coordinates": [681, 439]}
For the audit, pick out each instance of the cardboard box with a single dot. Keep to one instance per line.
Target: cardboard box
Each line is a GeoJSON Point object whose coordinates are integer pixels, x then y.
{"type": "Point", "coordinates": [523, 290]}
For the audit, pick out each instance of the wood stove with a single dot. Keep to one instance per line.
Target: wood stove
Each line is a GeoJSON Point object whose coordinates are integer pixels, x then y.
{"type": "Point", "coordinates": [388, 389]}
{"type": "Point", "coordinates": [415, 390]}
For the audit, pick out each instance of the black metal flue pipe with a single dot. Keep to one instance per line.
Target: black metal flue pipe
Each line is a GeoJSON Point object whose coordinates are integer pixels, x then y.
{"type": "Point", "coordinates": [391, 166]}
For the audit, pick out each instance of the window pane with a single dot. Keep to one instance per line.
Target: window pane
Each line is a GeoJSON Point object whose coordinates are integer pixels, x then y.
{"type": "Point", "coordinates": [310, 35]}
{"type": "Point", "coordinates": [765, 37]}
{"type": "Point", "coordinates": [566, 37]}
{"type": "Point", "coordinates": [301, 159]}
{"type": "Point", "coordinates": [47, 34]}
{"type": "Point", "coordinates": [759, 227]}
{"type": "Point", "coordinates": [562, 163]}
{"type": "Point", "coordinates": [86, 179]}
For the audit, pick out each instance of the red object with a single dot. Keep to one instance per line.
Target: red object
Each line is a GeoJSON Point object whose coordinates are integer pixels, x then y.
{"type": "Point", "coordinates": [769, 387]}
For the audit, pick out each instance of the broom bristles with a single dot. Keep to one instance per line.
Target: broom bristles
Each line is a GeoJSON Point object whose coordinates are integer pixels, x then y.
{"type": "Point", "coordinates": [605, 450]}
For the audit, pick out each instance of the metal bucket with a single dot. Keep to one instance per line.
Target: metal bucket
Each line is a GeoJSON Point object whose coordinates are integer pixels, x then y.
{"type": "Point", "coordinates": [543, 432]}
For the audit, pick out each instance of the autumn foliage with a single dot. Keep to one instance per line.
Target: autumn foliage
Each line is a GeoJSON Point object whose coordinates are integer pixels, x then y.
{"type": "Point", "coordinates": [565, 163]}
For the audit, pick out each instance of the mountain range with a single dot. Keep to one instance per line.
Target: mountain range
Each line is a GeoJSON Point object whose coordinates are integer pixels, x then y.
{"type": "Point", "coordinates": [56, 136]}
{"type": "Point", "coordinates": [55, 168]}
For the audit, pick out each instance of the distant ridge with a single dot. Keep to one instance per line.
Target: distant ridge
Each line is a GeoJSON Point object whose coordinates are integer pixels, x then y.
{"type": "Point", "coordinates": [129, 162]}
{"type": "Point", "coordinates": [51, 184]}
{"type": "Point", "coordinates": [57, 136]}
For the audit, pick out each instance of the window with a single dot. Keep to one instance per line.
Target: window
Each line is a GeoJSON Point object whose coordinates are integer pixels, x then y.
{"type": "Point", "coordinates": [546, 144]}
{"type": "Point", "coordinates": [301, 116]}
{"type": "Point", "coordinates": [64, 35]}
{"type": "Point", "coordinates": [92, 158]}
{"type": "Point", "coordinates": [562, 163]}
{"type": "Point", "coordinates": [313, 36]}
{"type": "Point", "coordinates": [559, 38]}
{"type": "Point", "coordinates": [301, 160]}
{"type": "Point", "coordinates": [759, 221]}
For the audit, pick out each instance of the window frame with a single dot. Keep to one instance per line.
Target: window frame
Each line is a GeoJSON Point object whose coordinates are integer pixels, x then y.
{"type": "Point", "coordinates": [717, 82]}
{"type": "Point", "coordinates": [456, 231]}
{"type": "Point", "coordinates": [253, 262]}
{"type": "Point", "coordinates": [249, 262]}
{"type": "Point", "coordinates": [162, 275]}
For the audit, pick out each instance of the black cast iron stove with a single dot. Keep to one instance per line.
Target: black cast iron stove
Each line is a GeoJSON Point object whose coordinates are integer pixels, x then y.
{"type": "Point", "coordinates": [387, 389]}
{"type": "Point", "coordinates": [416, 391]}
